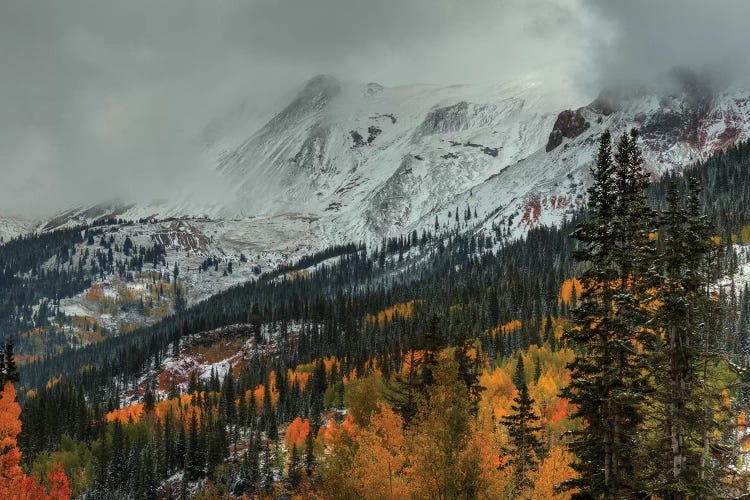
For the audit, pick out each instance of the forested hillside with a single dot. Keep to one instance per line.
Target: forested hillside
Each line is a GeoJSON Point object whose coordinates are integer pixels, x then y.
{"type": "Point", "coordinates": [451, 363]}
{"type": "Point", "coordinates": [39, 271]}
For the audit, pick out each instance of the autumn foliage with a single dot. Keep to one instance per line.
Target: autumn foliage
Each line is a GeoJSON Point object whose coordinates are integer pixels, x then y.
{"type": "Point", "coordinates": [14, 484]}
{"type": "Point", "coordinates": [297, 432]}
{"type": "Point", "coordinates": [403, 310]}
{"type": "Point", "coordinates": [506, 328]}
{"type": "Point", "coordinates": [569, 289]}
{"type": "Point", "coordinates": [371, 454]}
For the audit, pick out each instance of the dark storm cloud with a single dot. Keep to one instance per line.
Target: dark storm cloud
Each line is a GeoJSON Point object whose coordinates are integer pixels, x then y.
{"type": "Point", "coordinates": [648, 37]}
{"type": "Point", "coordinates": [106, 99]}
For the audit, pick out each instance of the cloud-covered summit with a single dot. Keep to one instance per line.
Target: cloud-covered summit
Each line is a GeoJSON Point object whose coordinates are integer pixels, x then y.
{"type": "Point", "coordinates": [112, 99]}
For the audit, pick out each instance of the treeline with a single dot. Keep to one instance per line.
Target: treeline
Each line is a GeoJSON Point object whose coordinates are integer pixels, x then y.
{"type": "Point", "coordinates": [130, 258]}
{"type": "Point", "coordinates": [519, 281]}
{"type": "Point", "coordinates": [725, 182]}
{"type": "Point", "coordinates": [323, 255]}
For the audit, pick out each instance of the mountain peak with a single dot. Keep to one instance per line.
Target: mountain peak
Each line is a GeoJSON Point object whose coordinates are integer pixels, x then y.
{"type": "Point", "coordinates": [323, 83]}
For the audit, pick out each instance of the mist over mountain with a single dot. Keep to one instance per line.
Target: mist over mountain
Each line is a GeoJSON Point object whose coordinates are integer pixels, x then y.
{"type": "Point", "coordinates": [99, 104]}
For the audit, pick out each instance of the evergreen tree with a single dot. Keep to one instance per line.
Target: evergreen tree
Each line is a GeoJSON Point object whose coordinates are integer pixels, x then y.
{"type": "Point", "coordinates": [519, 374]}
{"type": "Point", "coordinates": [469, 358]}
{"type": "Point", "coordinates": [227, 406]}
{"type": "Point", "coordinates": [608, 383]}
{"type": "Point", "coordinates": [744, 327]}
{"type": "Point", "coordinates": [249, 469]}
{"type": "Point", "coordinates": [309, 452]}
{"type": "Point", "coordinates": [293, 469]}
{"type": "Point", "coordinates": [195, 456]}
{"type": "Point", "coordinates": [181, 448]}
{"type": "Point", "coordinates": [684, 407]}
{"type": "Point", "coordinates": [149, 401]}
{"type": "Point", "coordinates": [527, 449]}
{"type": "Point", "coordinates": [149, 476]}
{"type": "Point", "coordinates": [267, 469]}
{"type": "Point", "coordinates": [9, 368]}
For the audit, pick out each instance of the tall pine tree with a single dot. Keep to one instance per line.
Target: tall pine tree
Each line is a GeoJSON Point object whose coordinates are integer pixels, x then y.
{"type": "Point", "coordinates": [608, 384]}
{"type": "Point", "coordinates": [522, 427]}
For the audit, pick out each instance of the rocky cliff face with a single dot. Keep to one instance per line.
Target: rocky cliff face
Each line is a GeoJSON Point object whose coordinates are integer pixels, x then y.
{"type": "Point", "coordinates": [569, 124]}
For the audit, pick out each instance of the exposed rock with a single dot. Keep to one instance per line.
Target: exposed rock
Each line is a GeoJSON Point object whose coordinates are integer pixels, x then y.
{"type": "Point", "coordinates": [311, 157]}
{"type": "Point", "coordinates": [446, 119]}
{"type": "Point", "coordinates": [390, 116]}
{"type": "Point", "coordinates": [372, 133]}
{"type": "Point", "coordinates": [357, 139]}
{"type": "Point", "coordinates": [183, 236]}
{"type": "Point", "coordinates": [373, 88]}
{"type": "Point", "coordinates": [569, 124]}
{"type": "Point", "coordinates": [681, 114]}
{"type": "Point", "coordinates": [490, 151]}
{"type": "Point", "coordinates": [729, 137]}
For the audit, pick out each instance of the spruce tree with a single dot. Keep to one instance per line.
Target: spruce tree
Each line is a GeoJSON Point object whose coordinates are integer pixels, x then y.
{"type": "Point", "coordinates": [267, 476]}
{"type": "Point", "coordinates": [249, 469]}
{"type": "Point", "coordinates": [744, 328]}
{"type": "Point", "coordinates": [681, 302]}
{"type": "Point", "coordinates": [469, 358]}
{"type": "Point", "coordinates": [195, 456]}
{"type": "Point", "coordinates": [293, 469]}
{"type": "Point", "coordinates": [149, 401]}
{"type": "Point", "coordinates": [149, 479]}
{"type": "Point", "coordinates": [608, 383]}
{"type": "Point", "coordinates": [309, 453]}
{"type": "Point", "coordinates": [10, 370]}
{"type": "Point", "coordinates": [522, 427]}
{"type": "Point", "coordinates": [181, 448]}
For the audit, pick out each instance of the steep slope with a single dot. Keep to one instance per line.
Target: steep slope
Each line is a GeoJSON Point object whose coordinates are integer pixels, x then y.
{"type": "Point", "coordinates": [10, 227]}
{"type": "Point", "coordinates": [679, 126]}
{"type": "Point", "coordinates": [370, 161]}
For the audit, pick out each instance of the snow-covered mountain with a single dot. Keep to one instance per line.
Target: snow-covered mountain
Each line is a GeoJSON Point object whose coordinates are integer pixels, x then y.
{"type": "Point", "coordinates": [369, 161]}
{"type": "Point", "coordinates": [345, 162]}
{"type": "Point", "coordinates": [366, 161]}
{"type": "Point", "coordinates": [684, 123]}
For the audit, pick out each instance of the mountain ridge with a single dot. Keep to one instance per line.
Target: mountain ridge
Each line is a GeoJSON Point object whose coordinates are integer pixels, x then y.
{"type": "Point", "coordinates": [365, 161]}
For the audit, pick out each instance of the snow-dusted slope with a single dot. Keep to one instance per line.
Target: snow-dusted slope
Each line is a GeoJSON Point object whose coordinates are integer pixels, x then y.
{"type": "Point", "coordinates": [368, 161]}
{"type": "Point", "coordinates": [677, 128]}
{"type": "Point", "coordinates": [10, 227]}
{"type": "Point", "coordinates": [344, 163]}
{"type": "Point", "coordinates": [371, 160]}
{"type": "Point", "coordinates": [365, 161]}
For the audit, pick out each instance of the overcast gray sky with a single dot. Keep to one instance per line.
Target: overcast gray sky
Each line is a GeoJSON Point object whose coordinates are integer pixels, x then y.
{"type": "Point", "coordinates": [109, 98]}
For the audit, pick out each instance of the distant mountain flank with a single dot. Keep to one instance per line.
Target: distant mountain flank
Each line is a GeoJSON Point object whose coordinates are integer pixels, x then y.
{"type": "Point", "coordinates": [360, 162]}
